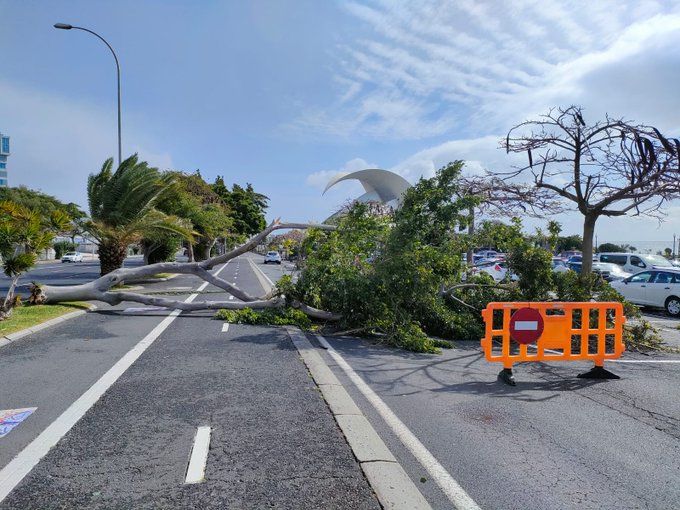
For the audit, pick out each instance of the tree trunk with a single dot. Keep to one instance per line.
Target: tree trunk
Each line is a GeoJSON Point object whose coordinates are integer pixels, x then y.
{"type": "Point", "coordinates": [588, 235]}
{"type": "Point", "coordinates": [190, 251]}
{"type": "Point", "coordinates": [111, 256]}
{"type": "Point", "coordinates": [471, 231]}
{"type": "Point", "coordinates": [99, 289]}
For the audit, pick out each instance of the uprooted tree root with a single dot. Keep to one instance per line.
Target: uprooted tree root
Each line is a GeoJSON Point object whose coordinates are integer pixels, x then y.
{"type": "Point", "coordinates": [100, 289]}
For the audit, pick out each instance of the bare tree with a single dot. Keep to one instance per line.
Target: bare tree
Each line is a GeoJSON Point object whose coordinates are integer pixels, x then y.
{"type": "Point", "coordinates": [502, 198]}
{"type": "Point", "coordinates": [100, 289]}
{"type": "Point", "coordinates": [609, 168]}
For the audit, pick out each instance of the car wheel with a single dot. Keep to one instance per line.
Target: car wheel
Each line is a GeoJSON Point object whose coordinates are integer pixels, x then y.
{"type": "Point", "coordinates": [673, 306]}
{"type": "Point", "coordinates": [279, 262]}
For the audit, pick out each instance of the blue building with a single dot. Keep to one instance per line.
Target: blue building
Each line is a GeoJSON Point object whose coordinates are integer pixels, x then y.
{"type": "Point", "coordinates": [4, 152]}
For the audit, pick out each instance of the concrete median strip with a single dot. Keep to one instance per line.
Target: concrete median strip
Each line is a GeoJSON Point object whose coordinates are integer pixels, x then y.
{"type": "Point", "coordinates": [393, 487]}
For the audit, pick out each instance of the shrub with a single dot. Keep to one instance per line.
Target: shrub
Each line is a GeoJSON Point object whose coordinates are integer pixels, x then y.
{"type": "Point", "coordinates": [268, 316]}
{"type": "Point", "coordinates": [62, 247]}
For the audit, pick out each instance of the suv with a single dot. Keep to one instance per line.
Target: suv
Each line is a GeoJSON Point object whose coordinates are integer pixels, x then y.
{"type": "Point", "coordinates": [72, 256]}
{"type": "Point", "coordinates": [272, 256]}
{"type": "Point", "coordinates": [634, 263]}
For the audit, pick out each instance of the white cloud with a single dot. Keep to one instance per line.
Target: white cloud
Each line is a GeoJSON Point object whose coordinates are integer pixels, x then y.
{"type": "Point", "coordinates": [57, 143]}
{"type": "Point", "coordinates": [429, 68]}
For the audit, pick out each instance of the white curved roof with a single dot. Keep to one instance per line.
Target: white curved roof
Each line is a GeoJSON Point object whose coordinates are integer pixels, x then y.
{"type": "Point", "coordinates": [382, 185]}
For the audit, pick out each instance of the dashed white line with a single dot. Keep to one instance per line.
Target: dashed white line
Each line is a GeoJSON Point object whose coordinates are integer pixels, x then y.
{"type": "Point", "coordinates": [15, 471]}
{"type": "Point", "coordinates": [199, 456]}
{"type": "Point", "coordinates": [231, 297]}
{"type": "Point", "coordinates": [225, 327]}
{"type": "Point", "coordinates": [453, 491]}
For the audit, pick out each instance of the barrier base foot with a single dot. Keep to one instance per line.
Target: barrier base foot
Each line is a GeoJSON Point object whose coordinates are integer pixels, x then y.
{"type": "Point", "coordinates": [598, 373]}
{"type": "Point", "coordinates": [506, 376]}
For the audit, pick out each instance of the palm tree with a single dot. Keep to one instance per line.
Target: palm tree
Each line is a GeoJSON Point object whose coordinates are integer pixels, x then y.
{"type": "Point", "coordinates": [122, 209]}
{"type": "Point", "coordinates": [24, 232]}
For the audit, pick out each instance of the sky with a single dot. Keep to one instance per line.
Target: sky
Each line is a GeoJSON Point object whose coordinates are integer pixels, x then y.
{"type": "Point", "coordinates": [286, 93]}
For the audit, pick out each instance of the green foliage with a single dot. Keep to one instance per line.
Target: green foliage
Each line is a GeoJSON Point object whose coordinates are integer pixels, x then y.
{"type": "Point", "coordinates": [385, 273]}
{"type": "Point", "coordinates": [195, 200]}
{"type": "Point", "coordinates": [268, 316]}
{"type": "Point", "coordinates": [569, 243]}
{"type": "Point", "coordinates": [123, 208]}
{"type": "Point", "coordinates": [162, 249]}
{"type": "Point", "coordinates": [38, 201]}
{"type": "Point", "coordinates": [533, 266]}
{"type": "Point", "coordinates": [62, 247]}
{"type": "Point", "coordinates": [24, 233]}
{"type": "Point", "coordinates": [246, 205]}
{"type": "Point", "coordinates": [500, 235]}
{"type": "Point", "coordinates": [609, 247]}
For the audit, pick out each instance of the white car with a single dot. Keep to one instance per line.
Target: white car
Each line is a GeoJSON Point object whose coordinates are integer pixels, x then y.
{"type": "Point", "coordinates": [559, 265]}
{"type": "Point", "coordinates": [72, 256]}
{"type": "Point", "coordinates": [660, 289]}
{"type": "Point", "coordinates": [634, 263]}
{"type": "Point", "coordinates": [498, 269]}
{"type": "Point", "coordinates": [272, 256]}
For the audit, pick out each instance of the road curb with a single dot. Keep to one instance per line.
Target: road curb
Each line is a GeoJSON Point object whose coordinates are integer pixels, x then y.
{"type": "Point", "coordinates": [392, 486]}
{"type": "Point", "coordinates": [17, 335]}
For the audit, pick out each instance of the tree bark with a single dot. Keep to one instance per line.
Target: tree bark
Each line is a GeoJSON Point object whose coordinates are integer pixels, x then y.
{"type": "Point", "coordinates": [190, 251]}
{"type": "Point", "coordinates": [471, 231]}
{"type": "Point", "coordinates": [99, 289]}
{"type": "Point", "coordinates": [588, 235]}
{"type": "Point", "coordinates": [111, 256]}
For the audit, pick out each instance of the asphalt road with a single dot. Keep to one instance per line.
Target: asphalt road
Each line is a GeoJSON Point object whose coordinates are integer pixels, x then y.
{"type": "Point", "coordinates": [274, 442]}
{"type": "Point", "coordinates": [553, 441]}
{"type": "Point", "coordinates": [57, 273]}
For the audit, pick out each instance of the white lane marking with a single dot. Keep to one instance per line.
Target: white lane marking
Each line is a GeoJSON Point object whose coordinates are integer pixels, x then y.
{"type": "Point", "coordinates": [644, 360]}
{"type": "Point", "coordinates": [199, 456]}
{"type": "Point", "coordinates": [15, 471]}
{"type": "Point", "coordinates": [137, 309]}
{"type": "Point", "coordinates": [225, 327]}
{"type": "Point", "coordinates": [231, 297]}
{"type": "Point", "coordinates": [526, 325]}
{"type": "Point", "coordinates": [456, 494]}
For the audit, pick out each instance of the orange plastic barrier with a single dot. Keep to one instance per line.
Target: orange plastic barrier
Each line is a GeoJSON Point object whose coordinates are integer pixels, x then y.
{"type": "Point", "coordinates": [570, 332]}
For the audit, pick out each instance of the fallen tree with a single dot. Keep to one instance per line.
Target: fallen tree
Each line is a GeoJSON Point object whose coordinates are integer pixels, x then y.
{"type": "Point", "coordinates": [100, 289]}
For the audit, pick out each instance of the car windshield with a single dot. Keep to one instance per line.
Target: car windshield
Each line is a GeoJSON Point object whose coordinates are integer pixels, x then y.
{"type": "Point", "coordinates": [71, 253]}
{"type": "Point", "coordinates": [273, 253]}
{"type": "Point", "coordinates": [658, 260]}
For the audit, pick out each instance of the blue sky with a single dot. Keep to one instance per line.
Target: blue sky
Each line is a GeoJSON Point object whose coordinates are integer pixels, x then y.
{"type": "Point", "coordinates": [284, 94]}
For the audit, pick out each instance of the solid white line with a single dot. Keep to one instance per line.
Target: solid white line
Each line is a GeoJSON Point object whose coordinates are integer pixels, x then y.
{"type": "Point", "coordinates": [199, 456]}
{"type": "Point", "coordinates": [645, 360]}
{"type": "Point", "coordinates": [456, 494]}
{"type": "Point", "coordinates": [15, 471]}
{"type": "Point", "coordinates": [225, 327]}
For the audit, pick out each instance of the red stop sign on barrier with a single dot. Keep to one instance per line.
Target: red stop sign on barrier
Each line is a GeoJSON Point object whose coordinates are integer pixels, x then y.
{"type": "Point", "coordinates": [526, 325]}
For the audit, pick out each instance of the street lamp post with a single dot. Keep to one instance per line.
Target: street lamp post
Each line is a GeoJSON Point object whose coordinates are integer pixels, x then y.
{"type": "Point", "coordinates": [64, 26]}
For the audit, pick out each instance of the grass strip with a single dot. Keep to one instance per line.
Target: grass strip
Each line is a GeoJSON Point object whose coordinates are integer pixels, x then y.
{"type": "Point", "coordinates": [27, 316]}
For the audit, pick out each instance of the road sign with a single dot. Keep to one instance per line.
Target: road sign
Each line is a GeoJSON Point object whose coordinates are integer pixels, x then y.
{"type": "Point", "coordinates": [526, 325]}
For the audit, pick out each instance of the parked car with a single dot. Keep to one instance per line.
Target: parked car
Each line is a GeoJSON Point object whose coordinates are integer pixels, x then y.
{"type": "Point", "coordinates": [498, 269]}
{"type": "Point", "coordinates": [272, 256]}
{"type": "Point", "coordinates": [72, 256]}
{"type": "Point", "coordinates": [659, 289]}
{"type": "Point", "coordinates": [675, 263]}
{"type": "Point", "coordinates": [487, 254]}
{"type": "Point", "coordinates": [575, 259]}
{"type": "Point", "coordinates": [566, 255]}
{"type": "Point", "coordinates": [608, 272]}
{"type": "Point", "coordinates": [634, 263]}
{"type": "Point", "coordinates": [559, 265]}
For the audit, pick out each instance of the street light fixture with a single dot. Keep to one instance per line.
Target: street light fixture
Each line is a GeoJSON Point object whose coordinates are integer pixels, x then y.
{"type": "Point", "coordinates": [65, 26]}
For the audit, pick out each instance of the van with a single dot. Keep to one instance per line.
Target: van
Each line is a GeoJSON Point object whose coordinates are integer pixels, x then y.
{"type": "Point", "coordinates": [634, 262]}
